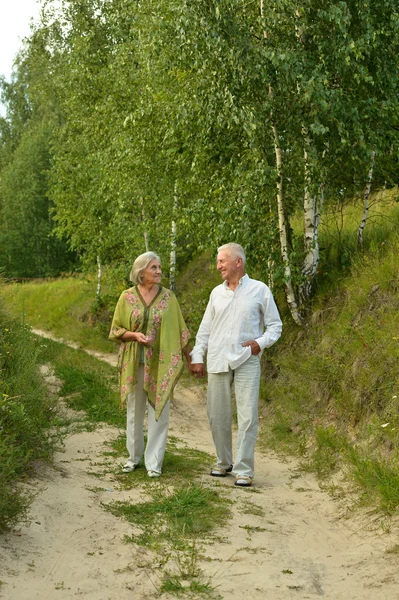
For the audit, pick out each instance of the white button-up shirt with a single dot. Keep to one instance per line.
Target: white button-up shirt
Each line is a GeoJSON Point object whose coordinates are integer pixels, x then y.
{"type": "Point", "coordinates": [234, 317]}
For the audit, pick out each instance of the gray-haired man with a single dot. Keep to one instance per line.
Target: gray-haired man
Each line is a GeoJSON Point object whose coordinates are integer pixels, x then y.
{"type": "Point", "coordinates": [240, 321]}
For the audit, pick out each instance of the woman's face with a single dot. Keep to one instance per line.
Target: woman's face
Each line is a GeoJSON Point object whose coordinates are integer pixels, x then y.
{"type": "Point", "coordinates": [152, 273]}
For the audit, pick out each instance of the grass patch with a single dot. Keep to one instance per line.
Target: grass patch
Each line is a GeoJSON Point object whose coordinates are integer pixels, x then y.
{"type": "Point", "coordinates": [253, 529]}
{"type": "Point", "coordinates": [171, 524]}
{"type": "Point", "coordinates": [378, 480]}
{"type": "Point", "coordinates": [327, 456]}
{"type": "Point", "coordinates": [64, 306]}
{"type": "Point", "coordinates": [176, 516]}
{"type": "Point", "coordinates": [88, 383]}
{"type": "Point", "coordinates": [187, 578]}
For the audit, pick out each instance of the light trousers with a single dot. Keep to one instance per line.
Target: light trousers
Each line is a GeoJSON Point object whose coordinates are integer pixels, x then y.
{"type": "Point", "coordinates": [246, 381]}
{"type": "Point", "coordinates": [157, 431]}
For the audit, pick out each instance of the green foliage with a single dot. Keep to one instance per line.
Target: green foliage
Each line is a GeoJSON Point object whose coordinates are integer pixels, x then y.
{"type": "Point", "coordinates": [26, 418]}
{"type": "Point", "coordinates": [28, 247]}
{"type": "Point", "coordinates": [194, 285]}
{"type": "Point", "coordinates": [116, 105]}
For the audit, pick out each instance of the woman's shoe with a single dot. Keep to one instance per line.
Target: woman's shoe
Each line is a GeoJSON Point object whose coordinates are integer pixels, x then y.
{"type": "Point", "coordinates": [220, 472]}
{"type": "Point", "coordinates": [128, 467]}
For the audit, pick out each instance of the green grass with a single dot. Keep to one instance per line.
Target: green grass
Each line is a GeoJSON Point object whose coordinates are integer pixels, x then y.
{"type": "Point", "coordinates": [378, 479]}
{"type": "Point", "coordinates": [176, 517]}
{"type": "Point", "coordinates": [66, 307]}
{"type": "Point", "coordinates": [329, 452]}
{"type": "Point", "coordinates": [88, 383]}
{"type": "Point", "coordinates": [27, 419]}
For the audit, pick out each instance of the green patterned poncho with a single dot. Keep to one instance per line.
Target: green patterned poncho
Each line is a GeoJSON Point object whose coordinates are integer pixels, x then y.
{"type": "Point", "coordinates": [164, 326]}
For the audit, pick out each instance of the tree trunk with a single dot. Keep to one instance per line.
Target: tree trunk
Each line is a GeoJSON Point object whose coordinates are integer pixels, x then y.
{"type": "Point", "coordinates": [366, 203]}
{"type": "Point", "coordinates": [172, 268]}
{"type": "Point", "coordinates": [146, 243]}
{"type": "Point", "coordinates": [312, 211]}
{"type": "Point", "coordinates": [99, 277]}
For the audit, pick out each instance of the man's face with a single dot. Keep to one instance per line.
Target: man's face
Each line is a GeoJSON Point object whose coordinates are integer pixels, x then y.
{"type": "Point", "coordinates": [228, 266]}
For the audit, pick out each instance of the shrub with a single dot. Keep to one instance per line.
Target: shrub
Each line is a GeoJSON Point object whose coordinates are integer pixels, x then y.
{"type": "Point", "coordinates": [26, 416]}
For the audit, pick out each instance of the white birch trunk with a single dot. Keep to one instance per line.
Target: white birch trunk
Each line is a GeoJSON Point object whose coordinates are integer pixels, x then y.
{"type": "Point", "coordinates": [366, 204]}
{"type": "Point", "coordinates": [172, 266]}
{"type": "Point", "coordinates": [145, 232]}
{"type": "Point", "coordinates": [311, 211]}
{"type": "Point", "coordinates": [99, 276]}
{"type": "Point", "coordinates": [270, 271]}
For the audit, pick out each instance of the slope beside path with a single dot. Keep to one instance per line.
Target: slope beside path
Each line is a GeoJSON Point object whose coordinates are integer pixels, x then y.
{"type": "Point", "coordinates": [286, 538]}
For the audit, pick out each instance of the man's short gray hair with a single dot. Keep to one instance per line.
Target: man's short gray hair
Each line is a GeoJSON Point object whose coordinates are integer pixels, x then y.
{"type": "Point", "coordinates": [235, 251]}
{"type": "Point", "coordinates": [140, 264]}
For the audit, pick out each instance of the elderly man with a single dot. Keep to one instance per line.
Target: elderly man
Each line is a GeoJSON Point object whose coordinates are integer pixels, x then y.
{"type": "Point", "coordinates": [240, 321]}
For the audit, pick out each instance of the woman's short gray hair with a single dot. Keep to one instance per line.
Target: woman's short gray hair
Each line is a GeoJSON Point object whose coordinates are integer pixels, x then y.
{"type": "Point", "coordinates": [235, 251]}
{"type": "Point", "coordinates": [140, 264]}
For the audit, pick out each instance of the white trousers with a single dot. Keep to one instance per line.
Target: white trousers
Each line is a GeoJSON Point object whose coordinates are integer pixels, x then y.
{"type": "Point", "coordinates": [157, 431]}
{"type": "Point", "coordinates": [246, 381]}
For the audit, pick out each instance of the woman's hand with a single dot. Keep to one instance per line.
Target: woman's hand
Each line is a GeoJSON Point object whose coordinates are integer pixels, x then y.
{"type": "Point", "coordinates": [140, 338]}
{"type": "Point", "coordinates": [135, 336]}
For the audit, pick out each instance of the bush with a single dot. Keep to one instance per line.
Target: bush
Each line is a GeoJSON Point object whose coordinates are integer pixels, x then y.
{"type": "Point", "coordinates": [26, 415]}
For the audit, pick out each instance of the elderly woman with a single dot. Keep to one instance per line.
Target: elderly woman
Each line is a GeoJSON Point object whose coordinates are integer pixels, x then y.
{"type": "Point", "coordinates": [153, 335]}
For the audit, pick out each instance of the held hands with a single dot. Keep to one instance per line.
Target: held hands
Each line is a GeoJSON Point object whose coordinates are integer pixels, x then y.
{"type": "Point", "coordinates": [197, 369]}
{"type": "Point", "coordinates": [255, 348]}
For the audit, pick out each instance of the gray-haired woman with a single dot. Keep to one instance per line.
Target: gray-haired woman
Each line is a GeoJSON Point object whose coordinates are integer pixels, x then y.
{"type": "Point", "coordinates": [153, 335]}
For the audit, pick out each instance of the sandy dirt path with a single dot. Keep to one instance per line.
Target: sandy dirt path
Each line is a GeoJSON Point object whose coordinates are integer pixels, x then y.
{"type": "Point", "coordinates": [301, 547]}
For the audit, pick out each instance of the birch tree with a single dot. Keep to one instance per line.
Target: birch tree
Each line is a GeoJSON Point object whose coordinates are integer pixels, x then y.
{"type": "Point", "coordinates": [367, 191]}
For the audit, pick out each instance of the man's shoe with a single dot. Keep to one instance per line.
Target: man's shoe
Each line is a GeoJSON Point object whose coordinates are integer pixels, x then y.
{"type": "Point", "coordinates": [153, 474]}
{"type": "Point", "coordinates": [219, 472]}
{"type": "Point", "coordinates": [243, 481]}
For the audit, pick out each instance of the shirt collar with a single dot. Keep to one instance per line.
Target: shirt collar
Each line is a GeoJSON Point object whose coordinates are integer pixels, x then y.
{"type": "Point", "coordinates": [242, 281]}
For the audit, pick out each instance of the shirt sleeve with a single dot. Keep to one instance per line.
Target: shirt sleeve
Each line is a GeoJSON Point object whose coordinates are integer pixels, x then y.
{"type": "Point", "coordinates": [272, 322]}
{"type": "Point", "coordinates": [204, 331]}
